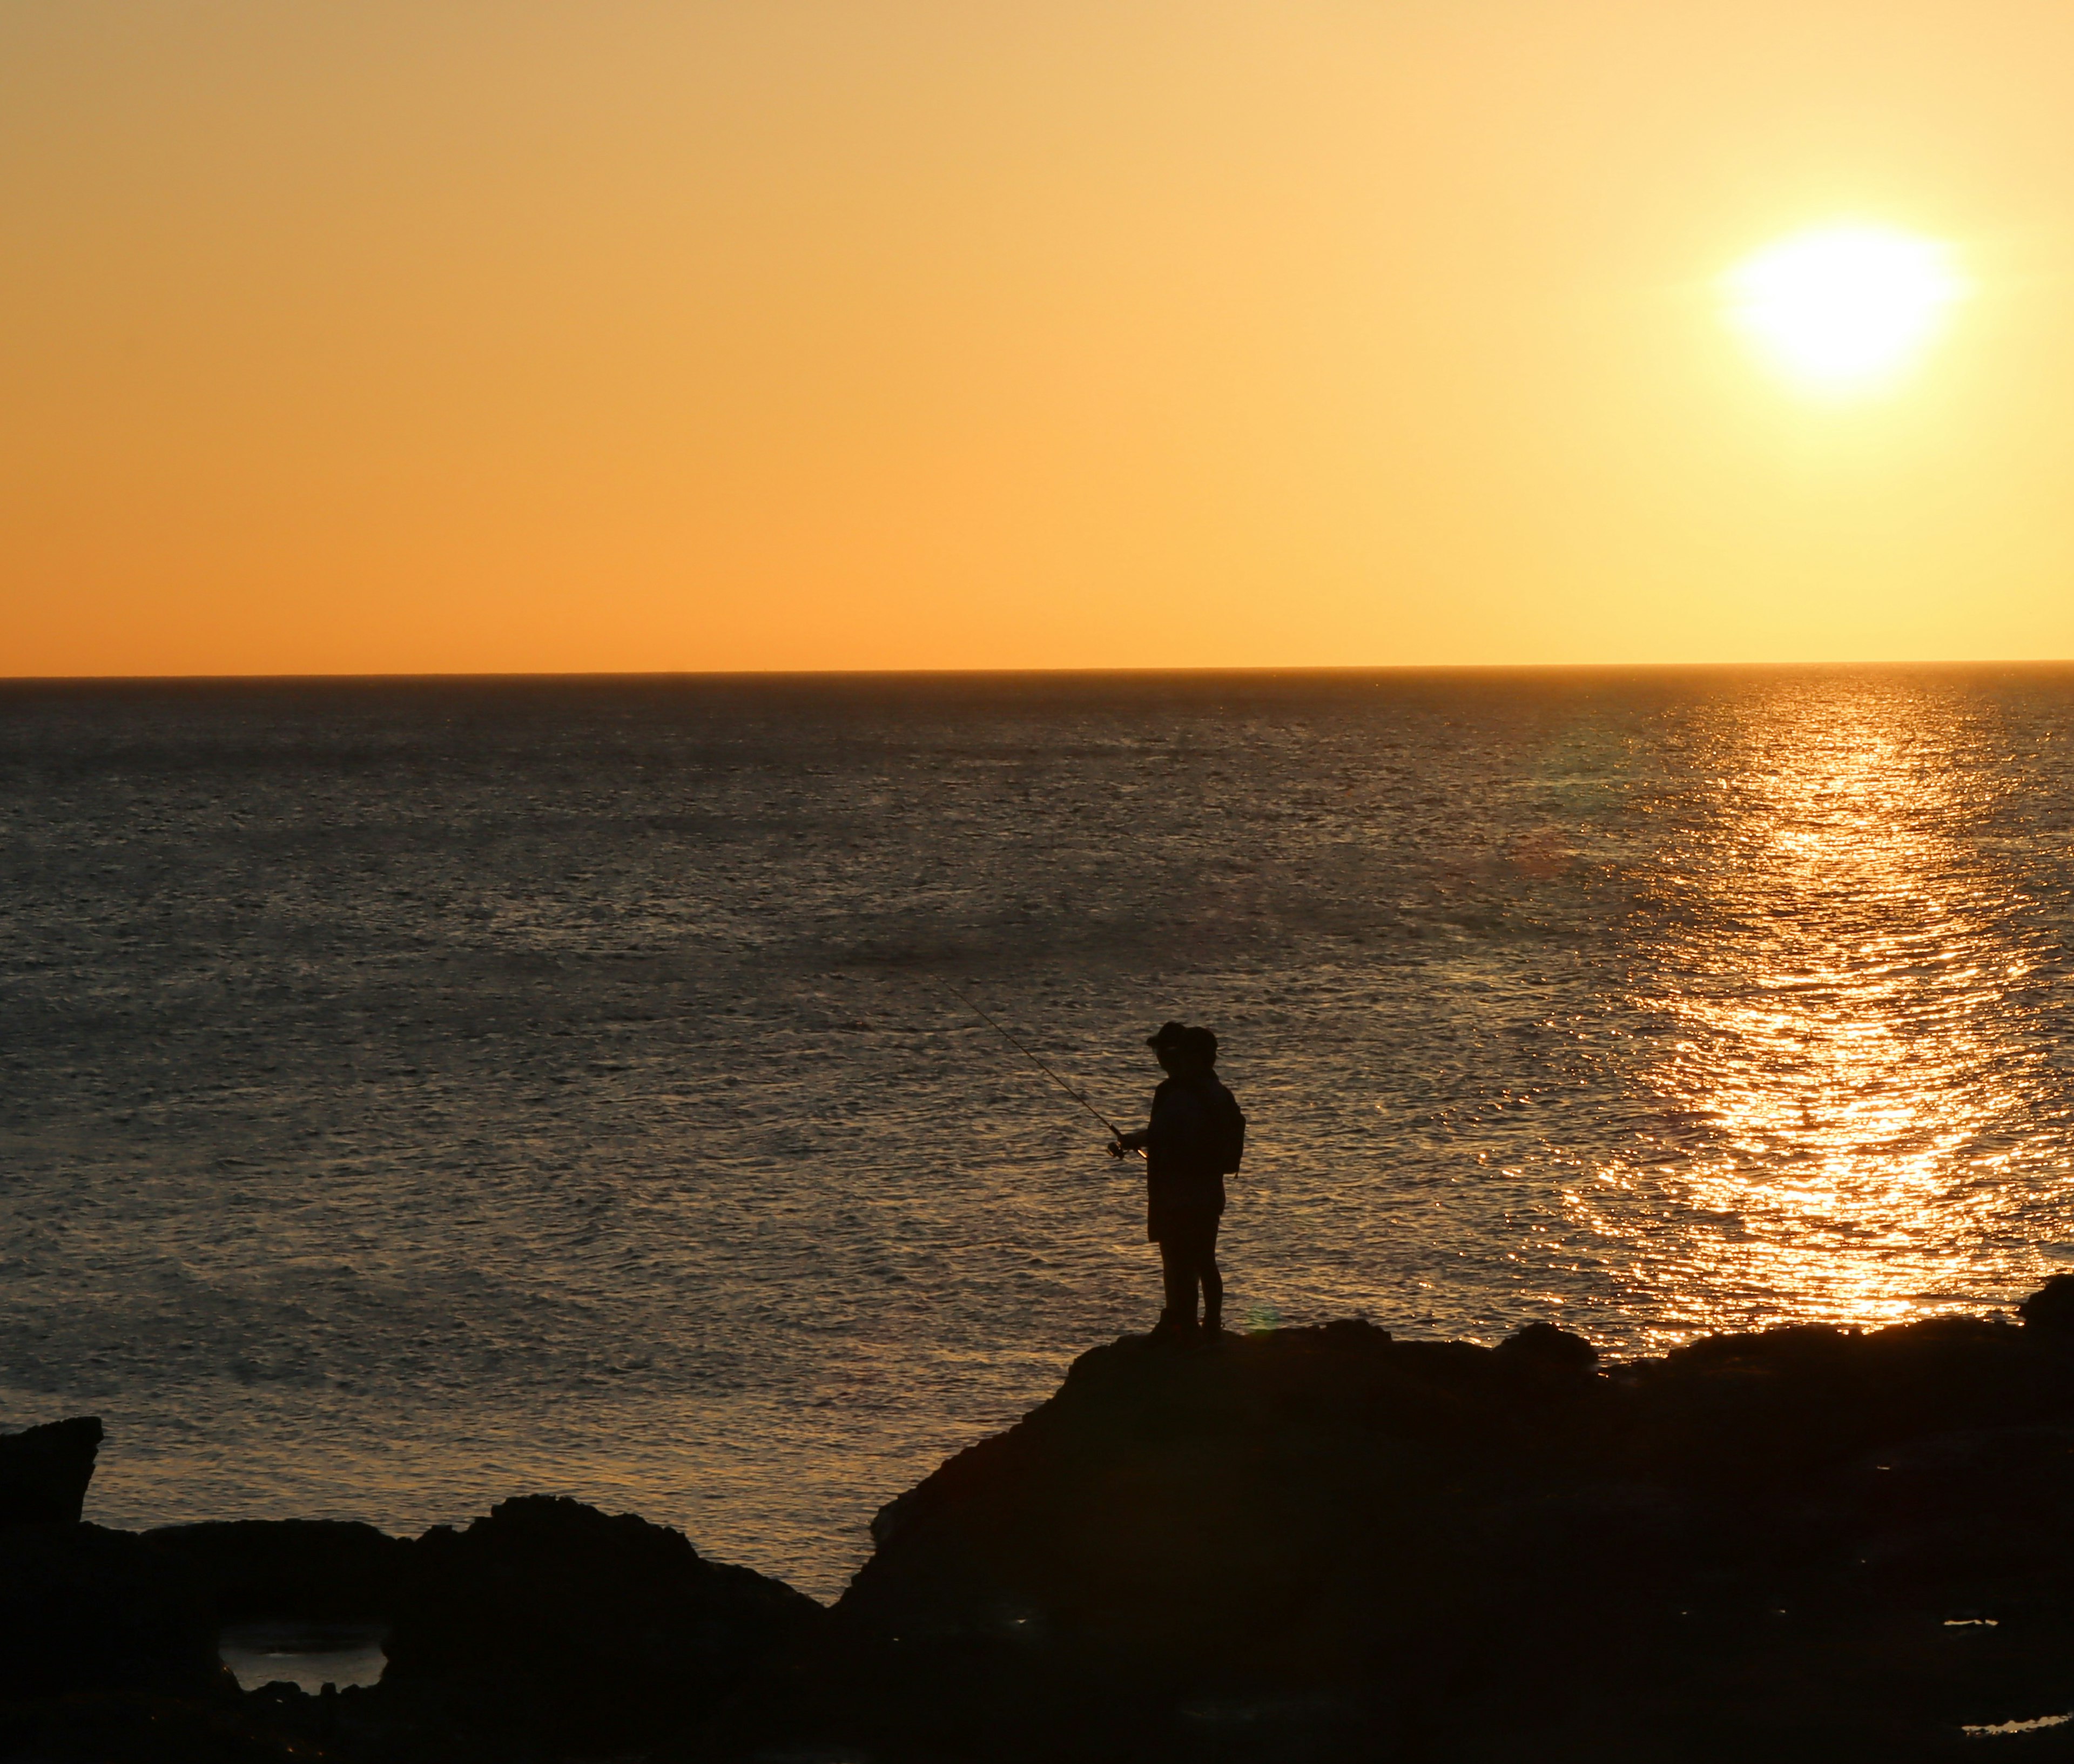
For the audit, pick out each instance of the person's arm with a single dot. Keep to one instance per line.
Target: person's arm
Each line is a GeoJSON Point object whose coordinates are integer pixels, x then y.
{"type": "Point", "coordinates": [1156, 1129]}
{"type": "Point", "coordinates": [1177, 1121]}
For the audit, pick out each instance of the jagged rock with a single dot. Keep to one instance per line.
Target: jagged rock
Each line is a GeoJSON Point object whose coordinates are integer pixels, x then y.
{"type": "Point", "coordinates": [44, 1472]}
{"type": "Point", "coordinates": [2050, 1309]}
{"type": "Point", "coordinates": [1543, 1344]}
{"type": "Point", "coordinates": [313, 1570]}
{"type": "Point", "coordinates": [1324, 1545]}
{"type": "Point", "coordinates": [1307, 1546]}
{"type": "Point", "coordinates": [545, 1631]}
{"type": "Point", "coordinates": [85, 1611]}
{"type": "Point", "coordinates": [561, 1629]}
{"type": "Point", "coordinates": [134, 1727]}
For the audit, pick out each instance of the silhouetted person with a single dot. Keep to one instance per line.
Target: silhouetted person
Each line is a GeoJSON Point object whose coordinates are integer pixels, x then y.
{"type": "Point", "coordinates": [1193, 1142]}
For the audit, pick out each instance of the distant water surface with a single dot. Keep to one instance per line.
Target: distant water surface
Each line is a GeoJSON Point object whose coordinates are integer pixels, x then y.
{"type": "Point", "coordinates": [422, 1093]}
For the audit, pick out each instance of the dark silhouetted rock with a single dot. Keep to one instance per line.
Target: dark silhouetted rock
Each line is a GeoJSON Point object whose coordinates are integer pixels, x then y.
{"type": "Point", "coordinates": [86, 1611]}
{"type": "Point", "coordinates": [1542, 1343]}
{"type": "Point", "coordinates": [310, 1570]}
{"type": "Point", "coordinates": [1317, 1545]}
{"type": "Point", "coordinates": [44, 1472]}
{"type": "Point", "coordinates": [545, 1631]}
{"type": "Point", "coordinates": [2050, 1309]}
{"type": "Point", "coordinates": [1807, 1545]}
{"type": "Point", "coordinates": [558, 1629]}
{"type": "Point", "coordinates": [132, 1728]}
{"type": "Point", "coordinates": [106, 1649]}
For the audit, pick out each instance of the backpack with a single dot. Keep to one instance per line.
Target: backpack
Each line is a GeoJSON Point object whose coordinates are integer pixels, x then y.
{"type": "Point", "coordinates": [1227, 1130]}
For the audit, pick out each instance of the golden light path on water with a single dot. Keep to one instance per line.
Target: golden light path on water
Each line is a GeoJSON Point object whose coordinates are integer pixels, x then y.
{"type": "Point", "coordinates": [1856, 1068]}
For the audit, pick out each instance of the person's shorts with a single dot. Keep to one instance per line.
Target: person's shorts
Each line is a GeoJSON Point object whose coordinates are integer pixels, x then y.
{"type": "Point", "coordinates": [1191, 1232]}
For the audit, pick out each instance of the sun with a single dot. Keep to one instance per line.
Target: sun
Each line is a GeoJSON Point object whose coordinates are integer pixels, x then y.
{"type": "Point", "coordinates": [1844, 307]}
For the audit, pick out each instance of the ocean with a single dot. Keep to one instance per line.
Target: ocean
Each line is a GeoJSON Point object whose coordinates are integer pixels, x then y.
{"type": "Point", "coordinates": [419, 1092]}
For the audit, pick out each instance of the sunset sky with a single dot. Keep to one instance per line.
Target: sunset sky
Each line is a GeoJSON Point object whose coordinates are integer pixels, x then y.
{"type": "Point", "coordinates": [412, 335]}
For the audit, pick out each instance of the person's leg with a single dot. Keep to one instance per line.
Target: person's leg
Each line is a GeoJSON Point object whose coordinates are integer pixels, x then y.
{"type": "Point", "coordinates": [1213, 1283]}
{"type": "Point", "coordinates": [1177, 1274]}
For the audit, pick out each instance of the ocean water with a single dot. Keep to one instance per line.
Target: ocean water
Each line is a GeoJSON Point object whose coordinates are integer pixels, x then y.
{"type": "Point", "coordinates": [418, 1093]}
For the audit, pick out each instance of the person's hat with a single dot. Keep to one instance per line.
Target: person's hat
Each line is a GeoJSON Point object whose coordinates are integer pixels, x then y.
{"type": "Point", "coordinates": [1197, 1043]}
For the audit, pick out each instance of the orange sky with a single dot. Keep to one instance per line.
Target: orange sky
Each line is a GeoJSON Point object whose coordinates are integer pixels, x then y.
{"type": "Point", "coordinates": [420, 335]}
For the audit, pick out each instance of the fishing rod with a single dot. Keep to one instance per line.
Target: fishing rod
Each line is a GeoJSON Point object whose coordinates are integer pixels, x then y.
{"type": "Point", "coordinates": [1115, 1130]}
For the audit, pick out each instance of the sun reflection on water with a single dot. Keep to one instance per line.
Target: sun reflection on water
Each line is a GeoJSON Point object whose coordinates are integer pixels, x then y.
{"type": "Point", "coordinates": [1850, 1064]}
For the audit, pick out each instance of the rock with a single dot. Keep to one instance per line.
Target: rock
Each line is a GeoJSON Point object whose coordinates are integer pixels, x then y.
{"type": "Point", "coordinates": [1542, 1343]}
{"type": "Point", "coordinates": [309, 1570]}
{"type": "Point", "coordinates": [1322, 1544]}
{"type": "Point", "coordinates": [131, 1728]}
{"type": "Point", "coordinates": [1315, 1546]}
{"type": "Point", "coordinates": [89, 1617]}
{"type": "Point", "coordinates": [546, 1631]}
{"type": "Point", "coordinates": [44, 1472]}
{"type": "Point", "coordinates": [2050, 1309]}
{"type": "Point", "coordinates": [86, 1611]}
{"type": "Point", "coordinates": [568, 1630]}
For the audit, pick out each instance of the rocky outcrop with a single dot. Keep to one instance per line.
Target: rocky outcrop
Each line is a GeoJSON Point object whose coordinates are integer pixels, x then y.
{"type": "Point", "coordinates": [545, 1631]}
{"type": "Point", "coordinates": [1305, 1546]}
{"type": "Point", "coordinates": [44, 1472]}
{"type": "Point", "coordinates": [85, 1611]}
{"type": "Point", "coordinates": [315, 1570]}
{"type": "Point", "coordinates": [2050, 1309]}
{"type": "Point", "coordinates": [561, 1629]}
{"type": "Point", "coordinates": [1324, 1544]}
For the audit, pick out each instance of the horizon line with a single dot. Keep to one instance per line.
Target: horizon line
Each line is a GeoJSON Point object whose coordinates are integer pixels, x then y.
{"type": "Point", "coordinates": [1264, 671]}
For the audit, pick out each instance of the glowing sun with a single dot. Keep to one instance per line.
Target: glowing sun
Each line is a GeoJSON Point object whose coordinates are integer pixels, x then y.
{"type": "Point", "coordinates": [1843, 308]}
